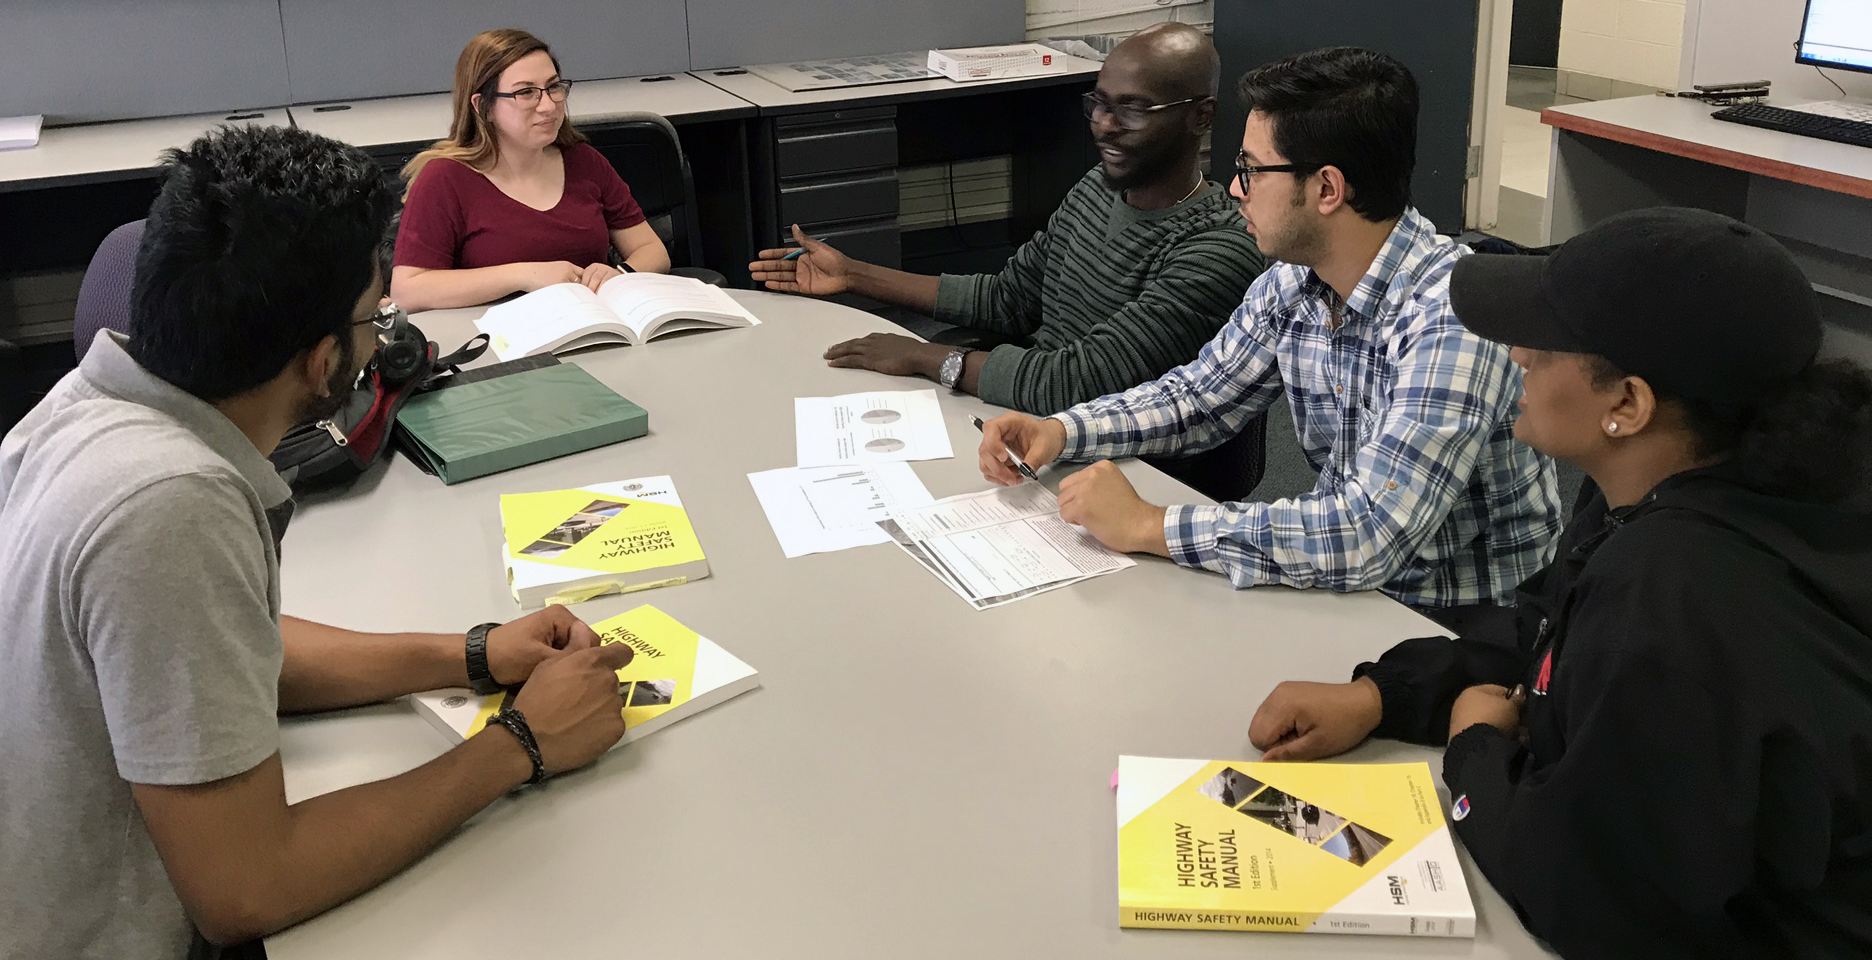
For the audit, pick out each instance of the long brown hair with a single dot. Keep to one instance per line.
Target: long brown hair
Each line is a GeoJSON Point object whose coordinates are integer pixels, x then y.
{"type": "Point", "coordinates": [471, 137]}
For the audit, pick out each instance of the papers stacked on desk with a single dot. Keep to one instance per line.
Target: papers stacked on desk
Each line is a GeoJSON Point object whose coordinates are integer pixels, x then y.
{"type": "Point", "coordinates": [1001, 545]}
{"type": "Point", "coordinates": [20, 133]}
{"type": "Point", "coordinates": [848, 72]}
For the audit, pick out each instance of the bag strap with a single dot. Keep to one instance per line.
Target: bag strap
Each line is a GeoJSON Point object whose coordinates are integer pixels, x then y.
{"type": "Point", "coordinates": [443, 368]}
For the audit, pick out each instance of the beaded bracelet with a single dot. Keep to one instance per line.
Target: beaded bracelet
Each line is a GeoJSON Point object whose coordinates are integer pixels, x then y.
{"type": "Point", "coordinates": [515, 723]}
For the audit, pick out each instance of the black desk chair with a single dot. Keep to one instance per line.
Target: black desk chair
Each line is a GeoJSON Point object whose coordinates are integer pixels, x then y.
{"type": "Point", "coordinates": [15, 399]}
{"type": "Point", "coordinates": [647, 154]}
{"type": "Point", "coordinates": [1228, 473]}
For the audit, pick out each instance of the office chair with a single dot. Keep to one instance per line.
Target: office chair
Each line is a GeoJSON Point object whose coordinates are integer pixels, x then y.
{"type": "Point", "coordinates": [645, 151]}
{"type": "Point", "coordinates": [15, 399]}
{"type": "Point", "coordinates": [1230, 472]}
{"type": "Point", "coordinates": [104, 294]}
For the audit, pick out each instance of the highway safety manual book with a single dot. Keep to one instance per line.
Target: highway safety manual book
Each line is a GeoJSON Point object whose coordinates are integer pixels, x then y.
{"type": "Point", "coordinates": [632, 308]}
{"type": "Point", "coordinates": [568, 546]}
{"type": "Point", "coordinates": [676, 673]}
{"type": "Point", "coordinates": [1288, 847]}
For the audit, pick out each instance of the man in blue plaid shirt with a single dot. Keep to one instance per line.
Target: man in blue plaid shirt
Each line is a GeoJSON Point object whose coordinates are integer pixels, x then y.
{"type": "Point", "coordinates": [1423, 492]}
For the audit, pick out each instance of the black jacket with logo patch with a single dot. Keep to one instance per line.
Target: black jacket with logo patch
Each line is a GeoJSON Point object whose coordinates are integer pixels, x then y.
{"type": "Point", "coordinates": [1697, 775]}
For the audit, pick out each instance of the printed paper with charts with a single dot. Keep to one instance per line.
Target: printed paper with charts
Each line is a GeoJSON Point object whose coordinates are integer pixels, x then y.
{"type": "Point", "coordinates": [823, 509]}
{"type": "Point", "coordinates": [867, 428]}
{"type": "Point", "coordinates": [1001, 545]}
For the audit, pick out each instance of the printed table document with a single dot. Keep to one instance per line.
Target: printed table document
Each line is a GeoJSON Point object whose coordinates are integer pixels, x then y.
{"type": "Point", "coordinates": [867, 428]}
{"type": "Point", "coordinates": [1000, 545]}
{"type": "Point", "coordinates": [822, 509]}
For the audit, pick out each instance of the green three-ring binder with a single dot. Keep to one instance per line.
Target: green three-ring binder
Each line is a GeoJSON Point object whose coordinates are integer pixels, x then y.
{"type": "Point", "coordinates": [482, 425]}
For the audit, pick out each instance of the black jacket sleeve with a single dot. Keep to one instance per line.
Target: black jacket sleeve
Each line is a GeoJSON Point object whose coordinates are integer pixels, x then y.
{"type": "Point", "coordinates": [1640, 833]}
{"type": "Point", "coordinates": [1419, 679]}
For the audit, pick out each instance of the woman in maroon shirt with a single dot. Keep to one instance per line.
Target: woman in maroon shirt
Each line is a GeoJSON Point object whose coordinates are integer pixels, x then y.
{"type": "Point", "coordinates": [515, 199]}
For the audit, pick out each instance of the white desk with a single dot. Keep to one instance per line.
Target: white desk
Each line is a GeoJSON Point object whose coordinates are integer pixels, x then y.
{"type": "Point", "coordinates": [425, 118]}
{"type": "Point", "coordinates": [119, 150]}
{"type": "Point", "coordinates": [773, 98]}
{"type": "Point", "coordinates": [1814, 195]}
{"type": "Point", "coordinates": [913, 778]}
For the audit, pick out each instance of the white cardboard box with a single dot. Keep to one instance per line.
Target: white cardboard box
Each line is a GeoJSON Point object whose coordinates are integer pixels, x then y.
{"type": "Point", "coordinates": [997, 63]}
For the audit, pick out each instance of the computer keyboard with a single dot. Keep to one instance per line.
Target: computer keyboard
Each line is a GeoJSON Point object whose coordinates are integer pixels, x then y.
{"type": "Point", "coordinates": [1799, 122]}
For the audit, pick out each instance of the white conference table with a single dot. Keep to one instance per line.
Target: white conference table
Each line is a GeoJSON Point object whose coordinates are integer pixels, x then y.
{"type": "Point", "coordinates": [425, 118]}
{"type": "Point", "coordinates": [913, 779]}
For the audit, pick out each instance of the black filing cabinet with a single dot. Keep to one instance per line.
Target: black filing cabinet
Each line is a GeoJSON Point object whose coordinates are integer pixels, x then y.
{"type": "Point", "coordinates": [835, 174]}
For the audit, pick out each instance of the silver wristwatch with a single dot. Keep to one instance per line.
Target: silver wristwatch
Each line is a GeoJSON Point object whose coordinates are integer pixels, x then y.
{"type": "Point", "coordinates": [950, 373]}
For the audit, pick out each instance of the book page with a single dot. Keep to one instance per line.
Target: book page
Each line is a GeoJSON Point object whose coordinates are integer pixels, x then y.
{"type": "Point", "coordinates": [546, 319]}
{"type": "Point", "coordinates": [650, 304]}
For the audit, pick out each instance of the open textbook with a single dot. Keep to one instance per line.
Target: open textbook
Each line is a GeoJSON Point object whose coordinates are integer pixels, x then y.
{"type": "Point", "coordinates": [634, 308]}
{"type": "Point", "coordinates": [1287, 847]}
{"type": "Point", "coordinates": [676, 673]}
{"type": "Point", "coordinates": [1001, 545]}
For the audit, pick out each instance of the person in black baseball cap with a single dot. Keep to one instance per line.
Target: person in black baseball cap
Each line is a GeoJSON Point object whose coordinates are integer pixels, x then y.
{"type": "Point", "coordinates": [1668, 753]}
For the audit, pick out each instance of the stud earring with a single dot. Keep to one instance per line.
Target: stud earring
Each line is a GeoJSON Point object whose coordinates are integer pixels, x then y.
{"type": "Point", "coordinates": [1612, 428]}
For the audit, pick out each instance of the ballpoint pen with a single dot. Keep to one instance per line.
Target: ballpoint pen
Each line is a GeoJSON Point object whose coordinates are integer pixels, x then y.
{"type": "Point", "coordinates": [1019, 464]}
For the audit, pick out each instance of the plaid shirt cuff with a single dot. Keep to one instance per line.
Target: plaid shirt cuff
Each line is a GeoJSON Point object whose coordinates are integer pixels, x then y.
{"type": "Point", "coordinates": [1081, 435]}
{"type": "Point", "coordinates": [1190, 531]}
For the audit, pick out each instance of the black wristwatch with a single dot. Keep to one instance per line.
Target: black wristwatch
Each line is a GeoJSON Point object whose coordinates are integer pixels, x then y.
{"type": "Point", "coordinates": [480, 678]}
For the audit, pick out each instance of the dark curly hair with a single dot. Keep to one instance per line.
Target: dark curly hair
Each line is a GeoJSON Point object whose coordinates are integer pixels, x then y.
{"type": "Point", "coordinates": [258, 246]}
{"type": "Point", "coordinates": [1810, 440]}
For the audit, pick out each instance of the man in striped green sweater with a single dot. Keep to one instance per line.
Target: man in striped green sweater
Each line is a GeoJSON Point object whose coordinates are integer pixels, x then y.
{"type": "Point", "coordinates": [1140, 266]}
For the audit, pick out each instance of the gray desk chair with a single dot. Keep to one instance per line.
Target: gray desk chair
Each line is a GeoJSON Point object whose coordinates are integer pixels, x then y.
{"type": "Point", "coordinates": [644, 149]}
{"type": "Point", "coordinates": [104, 294]}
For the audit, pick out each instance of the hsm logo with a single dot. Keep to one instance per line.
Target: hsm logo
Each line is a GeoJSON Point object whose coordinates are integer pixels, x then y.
{"type": "Point", "coordinates": [1398, 896]}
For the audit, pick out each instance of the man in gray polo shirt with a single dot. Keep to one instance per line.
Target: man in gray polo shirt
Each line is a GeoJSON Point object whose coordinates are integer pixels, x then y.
{"type": "Point", "coordinates": [141, 798]}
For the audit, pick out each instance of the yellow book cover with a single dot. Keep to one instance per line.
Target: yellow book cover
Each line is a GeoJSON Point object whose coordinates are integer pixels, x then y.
{"type": "Point", "coordinates": [1290, 847]}
{"type": "Point", "coordinates": [676, 672]}
{"type": "Point", "coordinates": [568, 546]}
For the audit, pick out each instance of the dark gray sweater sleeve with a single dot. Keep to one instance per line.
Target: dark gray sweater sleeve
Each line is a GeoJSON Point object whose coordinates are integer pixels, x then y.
{"type": "Point", "coordinates": [1007, 303]}
{"type": "Point", "coordinates": [1200, 284]}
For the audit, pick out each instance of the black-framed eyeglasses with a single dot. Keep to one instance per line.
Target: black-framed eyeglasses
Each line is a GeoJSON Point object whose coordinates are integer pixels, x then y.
{"type": "Point", "coordinates": [383, 319]}
{"type": "Point", "coordinates": [1245, 170]}
{"type": "Point", "coordinates": [530, 96]}
{"type": "Point", "coordinates": [1129, 116]}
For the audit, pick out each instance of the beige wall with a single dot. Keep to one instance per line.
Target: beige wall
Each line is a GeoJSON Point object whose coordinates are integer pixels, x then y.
{"type": "Point", "coordinates": [1636, 41]}
{"type": "Point", "coordinates": [1066, 18]}
{"type": "Point", "coordinates": [1754, 40]}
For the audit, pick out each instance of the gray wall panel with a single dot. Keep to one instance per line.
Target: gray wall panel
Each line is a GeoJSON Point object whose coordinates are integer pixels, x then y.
{"type": "Point", "coordinates": [732, 33]}
{"type": "Point", "coordinates": [345, 49]}
{"type": "Point", "coordinates": [1435, 39]}
{"type": "Point", "coordinates": [85, 60]}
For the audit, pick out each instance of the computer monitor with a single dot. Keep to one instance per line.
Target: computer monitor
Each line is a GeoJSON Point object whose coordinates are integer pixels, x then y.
{"type": "Point", "coordinates": [1837, 33]}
